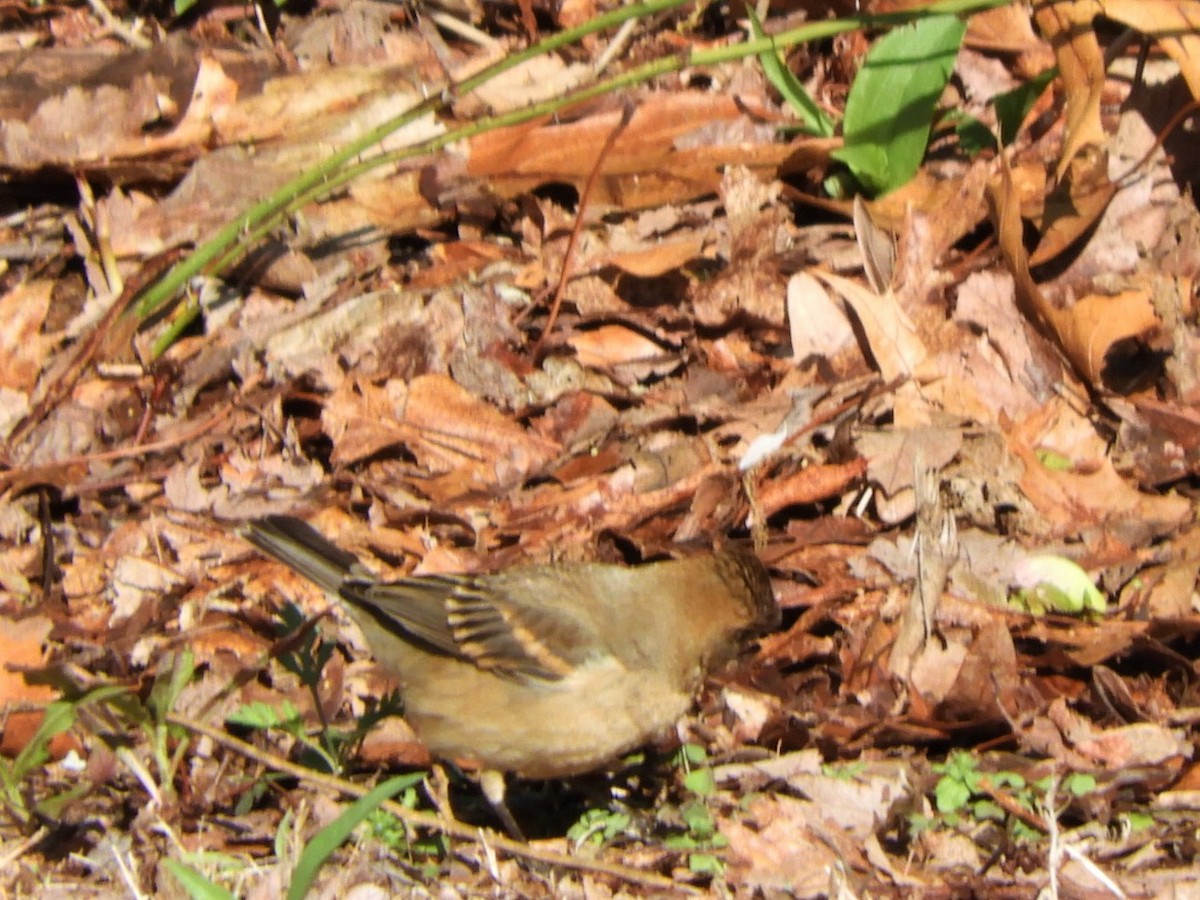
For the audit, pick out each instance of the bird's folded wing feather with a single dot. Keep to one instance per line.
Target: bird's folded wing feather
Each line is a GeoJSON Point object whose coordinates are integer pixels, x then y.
{"type": "Point", "coordinates": [470, 619]}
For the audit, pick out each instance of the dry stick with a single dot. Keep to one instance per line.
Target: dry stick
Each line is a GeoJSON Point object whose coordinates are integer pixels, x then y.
{"type": "Point", "coordinates": [419, 819]}
{"type": "Point", "coordinates": [568, 257]}
{"type": "Point", "coordinates": [19, 849]}
{"type": "Point", "coordinates": [33, 474]}
{"type": "Point", "coordinates": [1160, 139]}
{"type": "Point", "coordinates": [85, 352]}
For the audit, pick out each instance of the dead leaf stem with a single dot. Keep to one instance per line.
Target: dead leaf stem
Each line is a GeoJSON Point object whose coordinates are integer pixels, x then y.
{"type": "Point", "coordinates": [627, 112]}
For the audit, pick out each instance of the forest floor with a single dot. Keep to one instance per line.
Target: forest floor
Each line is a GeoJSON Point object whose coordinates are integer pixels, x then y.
{"type": "Point", "coordinates": [959, 420]}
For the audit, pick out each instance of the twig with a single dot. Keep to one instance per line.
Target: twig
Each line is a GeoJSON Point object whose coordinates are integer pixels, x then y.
{"type": "Point", "coordinates": [568, 257]}
{"type": "Point", "coordinates": [418, 819]}
{"type": "Point", "coordinates": [130, 35]}
{"type": "Point", "coordinates": [17, 850]}
{"type": "Point", "coordinates": [34, 474]}
{"type": "Point", "coordinates": [616, 46]}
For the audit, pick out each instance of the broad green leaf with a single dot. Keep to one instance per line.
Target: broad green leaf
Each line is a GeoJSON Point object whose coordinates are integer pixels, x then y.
{"type": "Point", "coordinates": [890, 109]}
{"type": "Point", "coordinates": [1013, 106]}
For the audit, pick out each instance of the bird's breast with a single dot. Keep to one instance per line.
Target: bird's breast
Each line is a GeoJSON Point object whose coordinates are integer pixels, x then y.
{"type": "Point", "coordinates": [546, 729]}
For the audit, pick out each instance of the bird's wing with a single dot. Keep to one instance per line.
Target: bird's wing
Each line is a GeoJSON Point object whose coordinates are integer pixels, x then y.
{"type": "Point", "coordinates": [487, 621]}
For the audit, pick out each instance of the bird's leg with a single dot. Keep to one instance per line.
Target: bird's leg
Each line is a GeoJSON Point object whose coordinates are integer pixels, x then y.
{"type": "Point", "coordinates": [492, 784]}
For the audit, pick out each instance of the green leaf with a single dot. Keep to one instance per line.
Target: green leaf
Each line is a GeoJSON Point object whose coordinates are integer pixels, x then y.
{"type": "Point", "coordinates": [987, 811]}
{"type": "Point", "coordinates": [813, 118]}
{"type": "Point", "coordinates": [262, 715]}
{"type": "Point", "coordinates": [60, 715]}
{"type": "Point", "coordinates": [333, 835]}
{"type": "Point", "coordinates": [598, 826]}
{"type": "Point", "coordinates": [680, 842]}
{"type": "Point", "coordinates": [951, 795]}
{"type": "Point", "coordinates": [175, 673]}
{"type": "Point", "coordinates": [705, 864]}
{"type": "Point", "coordinates": [699, 820]}
{"type": "Point", "coordinates": [700, 782]}
{"type": "Point", "coordinates": [1011, 109]}
{"type": "Point", "coordinates": [1053, 460]}
{"type": "Point", "coordinates": [889, 112]}
{"type": "Point", "coordinates": [1079, 784]}
{"type": "Point", "coordinates": [1057, 584]}
{"type": "Point", "coordinates": [1013, 106]}
{"type": "Point", "coordinates": [52, 807]}
{"type": "Point", "coordinates": [973, 136]}
{"type": "Point", "coordinates": [1010, 780]}
{"type": "Point", "coordinates": [283, 833]}
{"type": "Point", "coordinates": [1137, 821]}
{"type": "Point", "coordinates": [196, 885]}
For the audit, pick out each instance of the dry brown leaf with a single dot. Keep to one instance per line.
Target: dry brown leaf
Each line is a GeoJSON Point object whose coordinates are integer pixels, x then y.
{"type": "Point", "coordinates": [21, 646]}
{"type": "Point", "coordinates": [951, 207]}
{"type": "Point", "coordinates": [530, 82]}
{"type": "Point", "coordinates": [645, 167]}
{"type": "Point", "coordinates": [464, 442]}
{"type": "Point", "coordinates": [1093, 325]}
{"type": "Point", "coordinates": [1076, 204]}
{"type": "Point", "coordinates": [987, 679]}
{"type": "Point", "coordinates": [1068, 27]}
{"type": "Point", "coordinates": [1006, 29]}
{"type": "Point", "coordinates": [784, 850]}
{"type": "Point", "coordinates": [614, 345]}
{"type": "Point", "coordinates": [1006, 216]}
{"type": "Point", "coordinates": [897, 349]}
{"type": "Point", "coordinates": [817, 323]}
{"type": "Point", "coordinates": [1175, 24]}
{"type": "Point", "coordinates": [891, 454]}
{"type": "Point", "coordinates": [658, 259]}
{"type": "Point", "coordinates": [1129, 746]}
{"type": "Point", "coordinates": [23, 347]}
{"type": "Point", "coordinates": [808, 485]}
{"type": "Point", "coordinates": [1076, 501]}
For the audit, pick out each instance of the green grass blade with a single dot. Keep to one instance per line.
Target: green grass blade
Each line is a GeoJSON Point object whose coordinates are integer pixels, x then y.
{"type": "Point", "coordinates": [814, 119]}
{"type": "Point", "coordinates": [197, 886]}
{"type": "Point", "coordinates": [333, 835]}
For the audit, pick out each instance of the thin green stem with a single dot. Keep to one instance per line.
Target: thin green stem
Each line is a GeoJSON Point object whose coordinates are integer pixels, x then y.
{"type": "Point", "coordinates": [197, 261]}
{"type": "Point", "coordinates": [233, 240]}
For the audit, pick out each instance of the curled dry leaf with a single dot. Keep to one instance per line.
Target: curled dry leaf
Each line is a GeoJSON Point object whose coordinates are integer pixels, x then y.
{"type": "Point", "coordinates": [1068, 27]}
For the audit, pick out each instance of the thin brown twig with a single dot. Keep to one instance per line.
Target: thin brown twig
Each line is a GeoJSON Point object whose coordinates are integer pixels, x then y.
{"type": "Point", "coordinates": [568, 258]}
{"type": "Point", "coordinates": [36, 474]}
{"type": "Point", "coordinates": [418, 819]}
{"type": "Point", "coordinates": [86, 351]}
{"type": "Point", "coordinates": [1159, 140]}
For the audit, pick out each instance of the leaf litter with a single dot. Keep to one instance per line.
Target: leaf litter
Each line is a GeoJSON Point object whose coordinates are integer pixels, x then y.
{"type": "Point", "coordinates": [901, 411]}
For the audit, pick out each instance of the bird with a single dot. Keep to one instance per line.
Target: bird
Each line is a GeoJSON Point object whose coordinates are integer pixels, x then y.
{"type": "Point", "coordinates": [543, 671]}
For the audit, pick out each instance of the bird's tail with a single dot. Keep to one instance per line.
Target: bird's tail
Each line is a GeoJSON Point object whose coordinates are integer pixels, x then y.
{"type": "Point", "coordinates": [302, 548]}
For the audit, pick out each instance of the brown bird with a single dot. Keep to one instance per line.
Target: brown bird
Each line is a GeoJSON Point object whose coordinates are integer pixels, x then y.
{"type": "Point", "coordinates": [544, 671]}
